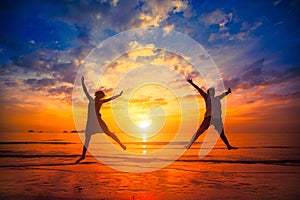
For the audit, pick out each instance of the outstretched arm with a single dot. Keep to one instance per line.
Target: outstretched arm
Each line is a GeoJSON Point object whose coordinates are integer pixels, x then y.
{"type": "Point", "coordinates": [112, 98]}
{"type": "Point", "coordinates": [85, 90]}
{"type": "Point", "coordinates": [202, 93]}
{"type": "Point", "coordinates": [225, 93]}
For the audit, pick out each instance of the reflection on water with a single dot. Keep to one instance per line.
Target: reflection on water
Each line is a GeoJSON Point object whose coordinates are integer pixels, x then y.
{"type": "Point", "coordinates": [42, 166]}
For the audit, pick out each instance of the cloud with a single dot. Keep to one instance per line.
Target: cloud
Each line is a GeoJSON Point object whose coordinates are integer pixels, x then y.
{"type": "Point", "coordinates": [64, 93]}
{"type": "Point", "coordinates": [245, 33]}
{"type": "Point", "coordinates": [51, 88]}
{"type": "Point", "coordinates": [61, 90]}
{"type": "Point", "coordinates": [162, 8]}
{"type": "Point", "coordinates": [230, 27]}
{"type": "Point", "coordinates": [111, 2]}
{"type": "Point", "coordinates": [118, 16]}
{"type": "Point", "coordinates": [256, 74]}
{"type": "Point", "coordinates": [212, 37]}
{"type": "Point", "coordinates": [12, 82]}
{"type": "Point", "coordinates": [148, 101]}
{"type": "Point", "coordinates": [43, 72]}
{"type": "Point", "coordinates": [43, 65]}
{"type": "Point", "coordinates": [247, 27]}
{"type": "Point", "coordinates": [39, 84]}
{"type": "Point", "coordinates": [189, 12]}
{"type": "Point", "coordinates": [217, 17]}
{"type": "Point", "coordinates": [276, 2]}
{"type": "Point", "coordinates": [94, 23]}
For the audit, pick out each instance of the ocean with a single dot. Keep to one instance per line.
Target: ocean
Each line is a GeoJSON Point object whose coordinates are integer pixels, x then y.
{"type": "Point", "coordinates": [42, 166]}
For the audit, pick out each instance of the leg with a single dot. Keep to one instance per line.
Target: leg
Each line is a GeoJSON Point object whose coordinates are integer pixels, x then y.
{"type": "Point", "coordinates": [84, 148]}
{"type": "Point", "coordinates": [115, 138]}
{"type": "Point", "coordinates": [218, 124]}
{"type": "Point", "coordinates": [110, 134]}
{"type": "Point", "coordinates": [195, 137]}
{"type": "Point", "coordinates": [224, 138]}
{"type": "Point", "coordinates": [204, 126]}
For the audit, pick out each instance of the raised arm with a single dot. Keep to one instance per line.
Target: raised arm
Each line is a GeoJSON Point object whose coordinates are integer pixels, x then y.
{"type": "Point", "coordinates": [225, 93]}
{"type": "Point", "coordinates": [112, 98]}
{"type": "Point", "coordinates": [85, 90]}
{"type": "Point", "coordinates": [202, 93]}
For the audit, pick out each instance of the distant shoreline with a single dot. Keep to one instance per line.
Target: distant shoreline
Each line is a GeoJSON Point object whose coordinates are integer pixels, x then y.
{"type": "Point", "coordinates": [40, 131]}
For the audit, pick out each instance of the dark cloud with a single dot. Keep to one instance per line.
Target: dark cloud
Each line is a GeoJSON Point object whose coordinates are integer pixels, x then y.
{"type": "Point", "coordinates": [61, 90]}
{"type": "Point", "coordinates": [8, 69]}
{"type": "Point", "coordinates": [66, 91]}
{"type": "Point", "coordinates": [109, 17]}
{"type": "Point", "coordinates": [49, 86]}
{"type": "Point", "coordinates": [77, 25]}
{"type": "Point", "coordinates": [61, 66]}
{"type": "Point", "coordinates": [257, 74]}
{"type": "Point", "coordinates": [100, 15]}
{"type": "Point", "coordinates": [4, 72]}
{"type": "Point", "coordinates": [38, 61]}
{"type": "Point", "coordinates": [65, 72]}
{"type": "Point", "coordinates": [40, 84]}
{"type": "Point", "coordinates": [11, 82]}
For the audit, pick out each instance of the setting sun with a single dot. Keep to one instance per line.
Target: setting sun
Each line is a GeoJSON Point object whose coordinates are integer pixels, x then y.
{"type": "Point", "coordinates": [145, 139]}
{"type": "Point", "coordinates": [144, 124]}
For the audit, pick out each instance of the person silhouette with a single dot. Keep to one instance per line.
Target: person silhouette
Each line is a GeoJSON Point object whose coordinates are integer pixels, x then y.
{"type": "Point", "coordinates": [95, 123]}
{"type": "Point", "coordinates": [212, 115]}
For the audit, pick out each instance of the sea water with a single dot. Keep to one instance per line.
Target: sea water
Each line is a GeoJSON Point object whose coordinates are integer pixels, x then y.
{"type": "Point", "coordinates": [41, 166]}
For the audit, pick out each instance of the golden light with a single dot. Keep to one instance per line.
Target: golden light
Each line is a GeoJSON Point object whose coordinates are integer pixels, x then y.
{"type": "Point", "coordinates": [145, 139]}
{"type": "Point", "coordinates": [144, 124]}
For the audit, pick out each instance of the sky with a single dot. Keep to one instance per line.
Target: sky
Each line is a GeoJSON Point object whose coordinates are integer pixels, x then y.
{"type": "Point", "coordinates": [254, 44]}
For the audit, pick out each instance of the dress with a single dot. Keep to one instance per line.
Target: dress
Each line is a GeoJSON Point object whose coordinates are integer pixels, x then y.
{"type": "Point", "coordinates": [92, 124]}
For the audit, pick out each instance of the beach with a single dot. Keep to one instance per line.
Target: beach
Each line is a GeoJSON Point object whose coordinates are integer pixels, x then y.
{"type": "Point", "coordinates": [41, 166]}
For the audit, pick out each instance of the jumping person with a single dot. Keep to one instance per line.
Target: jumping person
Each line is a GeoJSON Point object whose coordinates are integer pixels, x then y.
{"type": "Point", "coordinates": [95, 123]}
{"type": "Point", "coordinates": [212, 115]}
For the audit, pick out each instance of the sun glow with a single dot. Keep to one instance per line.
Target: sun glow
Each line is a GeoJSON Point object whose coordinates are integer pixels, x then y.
{"type": "Point", "coordinates": [144, 139]}
{"type": "Point", "coordinates": [144, 124]}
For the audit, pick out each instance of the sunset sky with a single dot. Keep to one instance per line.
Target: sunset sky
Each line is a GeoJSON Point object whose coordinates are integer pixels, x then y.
{"type": "Point", "coordinates": [255, 45]}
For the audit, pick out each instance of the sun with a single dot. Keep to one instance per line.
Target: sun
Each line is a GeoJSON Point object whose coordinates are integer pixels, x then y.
{"type": "Point", "coordinates": [144, 124]}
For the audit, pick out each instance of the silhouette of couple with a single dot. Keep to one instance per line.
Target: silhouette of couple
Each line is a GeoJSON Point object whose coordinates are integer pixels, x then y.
{"type": "Point", "coordinates": [95, 123]}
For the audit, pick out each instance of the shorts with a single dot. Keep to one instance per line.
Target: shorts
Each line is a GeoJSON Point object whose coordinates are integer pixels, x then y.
{"type": "Point", "coordinates": [216, 122]}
